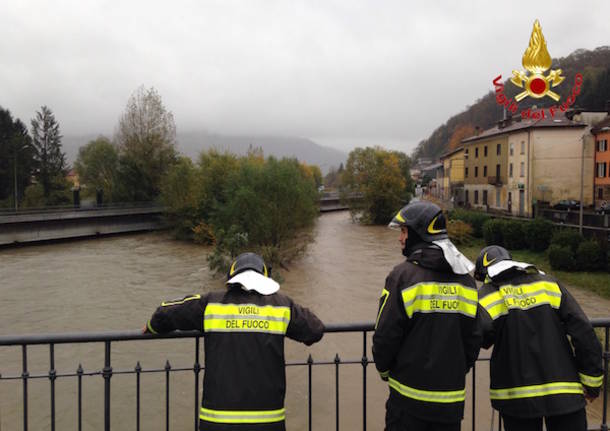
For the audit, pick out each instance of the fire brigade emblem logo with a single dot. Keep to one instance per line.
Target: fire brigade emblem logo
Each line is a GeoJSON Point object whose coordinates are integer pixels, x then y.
{"type": "Point", "coordinates": [537, 61]}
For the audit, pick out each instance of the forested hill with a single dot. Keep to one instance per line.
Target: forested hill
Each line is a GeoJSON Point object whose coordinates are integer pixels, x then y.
{"type": "Point", "coordinates": [485, 112]}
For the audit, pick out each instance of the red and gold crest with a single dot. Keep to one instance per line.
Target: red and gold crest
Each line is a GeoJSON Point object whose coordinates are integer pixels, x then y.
{"type": "Point", "coordinates": [537, 60]}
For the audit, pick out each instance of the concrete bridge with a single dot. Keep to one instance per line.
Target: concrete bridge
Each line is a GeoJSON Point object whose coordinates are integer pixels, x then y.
{"type": "Point", "coordinates": [65, 223]}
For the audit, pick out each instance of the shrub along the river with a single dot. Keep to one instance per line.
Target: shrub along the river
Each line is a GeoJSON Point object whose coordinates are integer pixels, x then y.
{"type": "Point", "coordinates": [242, 203]}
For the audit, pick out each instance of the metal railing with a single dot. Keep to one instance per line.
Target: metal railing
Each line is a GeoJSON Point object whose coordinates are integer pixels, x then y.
{"type": "Point", "coordinates": [107, 371]}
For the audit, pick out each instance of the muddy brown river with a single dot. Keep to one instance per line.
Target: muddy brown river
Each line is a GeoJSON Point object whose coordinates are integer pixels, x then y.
{"type": "Point", "coordinates": [115, 283]}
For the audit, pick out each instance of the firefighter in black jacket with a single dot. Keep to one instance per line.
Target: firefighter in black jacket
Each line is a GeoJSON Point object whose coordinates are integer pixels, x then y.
{"type": "Point", "coordinates": [426, 334]}
{"type": "Point", "coordinates": [244, 328]}
{"type": "Point", "coordinates": [535, 370]}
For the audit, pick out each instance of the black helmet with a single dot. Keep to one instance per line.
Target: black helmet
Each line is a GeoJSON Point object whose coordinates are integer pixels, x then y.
{"type": "Point", "coordinates": [247, 261]}
{"type": "Point", "coordinates": [489, 255]}
{"type": "Point", "coordinates": [424, 218]}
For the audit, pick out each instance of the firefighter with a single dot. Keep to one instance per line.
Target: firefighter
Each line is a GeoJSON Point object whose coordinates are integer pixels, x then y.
{"type": "Point", "coordinates": [426, 334]}
{"type": "Point", "coordinates": [536, 371]}
{"type": "Point", "coordinates": [244, 328]}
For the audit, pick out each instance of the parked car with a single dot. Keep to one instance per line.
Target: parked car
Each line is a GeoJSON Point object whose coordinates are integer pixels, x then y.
{"type": "Point", "coordinates": [604, 208]}
{"type": "Point", "coordinates": [567, 204]}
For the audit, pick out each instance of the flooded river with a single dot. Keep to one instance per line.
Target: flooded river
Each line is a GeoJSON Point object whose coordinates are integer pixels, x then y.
{"type": "Point", "coordinates": [116, 283]}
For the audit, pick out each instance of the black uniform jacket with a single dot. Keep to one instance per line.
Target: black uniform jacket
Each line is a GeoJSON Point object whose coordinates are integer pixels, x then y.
{"type": "Point", "coordinates": [534, 369]}
{"type": "Point", "coordinates": [426, 336]}
{"type": "Point", "coordinates": [244, 382]}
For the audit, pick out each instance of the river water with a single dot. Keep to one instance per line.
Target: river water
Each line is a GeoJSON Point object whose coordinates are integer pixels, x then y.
{"type": "Point", "coordinates": [116, 283]}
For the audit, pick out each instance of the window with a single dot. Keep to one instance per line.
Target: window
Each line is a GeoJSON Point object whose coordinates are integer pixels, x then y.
{"type": "Point", "coordinates": [522, 169]}
{"type": "Point", "coordinates": [497, 198]}
{"type": "Point", "coordinates": [485, 170]}
{"type": "Point", "coordinates": [466, 153]}
{"type": "Point", "coordinates": [466, 196]}
{"type": "Point", "coordinates": [485, 150]}
{"type": "Point", "coordinates": [497, 172]}
{"type": "Point", "coordinates": [522, 147]}
{"type": "Point", "coordinates": [466, 172]}
{"type": "Point", "coordinates": [602, 145]}
{"type": "Point", "coordinates": [476, 171]}
{"type": "Point", "coordinates": [498, 149]}
{"type": "Point", "coordinates": [510, 170]}
{"type": "Point", "coordinates": [484, 197]}
{"type": "Point", "coordinates": [512, 148]}
{"type": "Point", "coordinates": [476, 197]}
{"type": "Point", "coordinates": [601, 170]}
{"type": "Point", "coordinates": [600, 193]}
{"type": "Point", "coordinates": [476, 152]}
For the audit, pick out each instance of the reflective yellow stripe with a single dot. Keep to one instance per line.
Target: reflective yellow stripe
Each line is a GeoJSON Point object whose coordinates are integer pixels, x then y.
{"type": "Point", "coordinates": [150, 328]}
{"type": "Point", "coordinates": [430, 396]}
{"type": "Point", "coordinates": [384, 294]}
{"type": "Point", "coordinates": [594, 382]}
{"type": "Point", "coordinates": [536, 391]}
{"type": "Point", "coordinates": [242, 416]}
{"type": "Point", "coordinates": [384, 374]}
{"type": "Point", "coordinates": [180, 301]}
{"type": "Point", "coordinates": [440, 298]}
{"type": "Point", "coordinates": [246, 318]}
{"type": "Point", "coordinates": [399, 217]}
{"type": "Point", "coordinates": [521, 297]}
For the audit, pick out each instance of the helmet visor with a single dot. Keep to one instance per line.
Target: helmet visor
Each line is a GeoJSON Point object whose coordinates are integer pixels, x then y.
{"type": "Point", "coordinates": [395, 224]}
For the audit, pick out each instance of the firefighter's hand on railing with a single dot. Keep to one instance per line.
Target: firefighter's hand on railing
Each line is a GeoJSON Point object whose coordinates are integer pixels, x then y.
{"type": "Point", "coordinates": [589, 395]}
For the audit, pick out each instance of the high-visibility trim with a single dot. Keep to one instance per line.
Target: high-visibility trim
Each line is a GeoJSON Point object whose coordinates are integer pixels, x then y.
{"type": "Point", "coordinates": [440, 298]}
{"type": "Point", "coordinates": [521, 297]}
{"type": "Point", "coordinates": [428, 396]}
{"type": "Point", "coordinates": [594, 382]}
{"type": "Point", "coordinates": [385, 294]}
{"type": "Point", "coordinates": [150, 328]}
{"type": "Point", "coordinates": [536, 391]}
{"type": "Point", "coordinates": [242, 416]}
{"type": "Point", "coordinates": [246, 318]}
{"type": "Point", "coordinates": [180, 301]}
{"type": "Point", "coordinates": [384, 374]}
{"type": "Point", "coordinates": [399, 217]}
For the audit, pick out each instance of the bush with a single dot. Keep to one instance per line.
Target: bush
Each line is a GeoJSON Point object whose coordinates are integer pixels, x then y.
{"type": "Point", "coordinates": [567, 238]}
{"type": "Point", "coordinates": [512, 234]}
{"type": "Point", "coordinates": [460, 232]}
{"type": "Point", "coordinates": [473, 218]}
{"type": "Point", "coordinates": [538, 234]}
{"type": "Point", "coordinates": [590, 256]}
{"type": "Point", "coordinates": [493, 230]}
{"type": "Point", "coordinates": [561, 257]}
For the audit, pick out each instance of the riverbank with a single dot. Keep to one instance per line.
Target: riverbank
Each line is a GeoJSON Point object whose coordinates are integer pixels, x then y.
{"type": "Point", "coordinates": [597, 282]}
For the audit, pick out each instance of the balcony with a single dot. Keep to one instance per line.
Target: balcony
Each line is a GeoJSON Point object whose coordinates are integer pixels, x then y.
{"type": "Point", "coordinates": [495, 181]}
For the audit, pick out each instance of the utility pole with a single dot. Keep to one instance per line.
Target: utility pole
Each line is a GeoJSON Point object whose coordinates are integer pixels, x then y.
{"type": "Point", "coordinates": [15, 172]}
{"type": "Point", "coordinates": [582, 181]}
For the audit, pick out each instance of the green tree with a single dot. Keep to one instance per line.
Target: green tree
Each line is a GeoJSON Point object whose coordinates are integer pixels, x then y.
{"type": "Point", "coordinates": [146, 138]}
{"type": "Point", "coordinates": [50, 159]}
{"type": "Point", "coordinates": [97, 166]}
{"type": "Point", "coordinates": [378, 180]}
{"type": "Point", "coordinates": [17, 164]}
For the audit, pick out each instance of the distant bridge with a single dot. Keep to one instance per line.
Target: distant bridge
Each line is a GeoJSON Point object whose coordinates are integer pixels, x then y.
{"type": "Point", "coordinates": [47, 224]}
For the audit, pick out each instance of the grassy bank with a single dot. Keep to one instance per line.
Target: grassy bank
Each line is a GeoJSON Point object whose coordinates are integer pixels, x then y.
{"type": "Point", "coordinates": [598, 282]}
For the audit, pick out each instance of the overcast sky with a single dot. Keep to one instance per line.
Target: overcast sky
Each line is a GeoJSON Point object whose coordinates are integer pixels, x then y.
{"type": "Point", "coordinates": [343, 73]}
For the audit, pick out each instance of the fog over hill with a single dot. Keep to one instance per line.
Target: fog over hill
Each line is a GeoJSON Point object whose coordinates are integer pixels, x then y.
{"type": "Point", "coordinates": [193, 143]}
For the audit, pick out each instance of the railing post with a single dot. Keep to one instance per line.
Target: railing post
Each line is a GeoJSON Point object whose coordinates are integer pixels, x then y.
{"type": "Point", "coordinates": [474, 393]}
{"type": "Point", "coordinates": [168, 368]}
{"type": "Point", "coordinates": [604, 426]}
{"type": "Point", "coordinates": [196, 370]}
{"type": "Point", "coordinates": [107, 374]}
{"type": "Point", "coordinates": [138, 371]}
{"type": "Point", "coordinates": [24, 376]}
{"type": "Point", "coordinates": [79, 374]}
{"type": "Point", "coordinates": [52, 377]}
{"type": "Point", "coordinates": [309, 367]}
{"type": "Point", "coordinates": [365, 362]}
{"type": "Point", "coordinates": [337, 362]}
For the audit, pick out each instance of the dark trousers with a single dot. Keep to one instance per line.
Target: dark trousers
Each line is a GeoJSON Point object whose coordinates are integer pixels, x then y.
{"type": "Point", "coordinates": [399, 420]}
{"type": "Point", "coordinates": [576, 421]}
